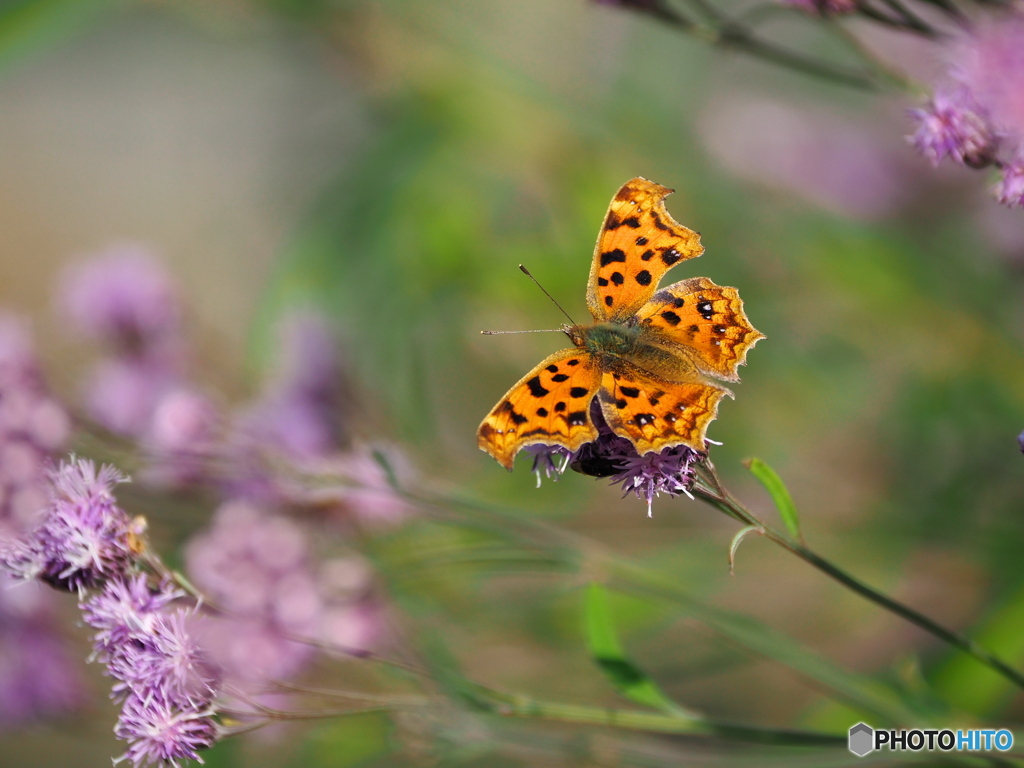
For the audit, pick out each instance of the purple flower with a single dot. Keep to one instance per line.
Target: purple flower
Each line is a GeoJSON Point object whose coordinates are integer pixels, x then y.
{"type": "Point", "coordinates": [989, 62]}
{"type": "Point", "coordinates": [166, 662]}
{"type": "Point", "coordinates": [32, 426]}
{"type": "Point", "coordinates": [257, 567]}
{"type": "Point", "coordinates": [182, 438]}
{"type": "Point", "coordinates": [159, 732]}
{"type": "Point", "coordinates": [300, 413]}
{"type": "Point", "coordinates": [121, 394]}
{"type": "Point", "coordinates": [123, 297]}
{"type": "Point", "coordinates": [549, 461]}
{"type": "Point", "coordinates": [125, 610]}
{"type": "Point", "coordinates": [1010, 189]}
{"type": "Point", "coordinates": [669, 471]}
{"type": "Point", "coordinates": [38, 674]}
{"type": "Point", "coordinates": [83, 538]}
{"type": "Point", "coordinates": [952, 125]}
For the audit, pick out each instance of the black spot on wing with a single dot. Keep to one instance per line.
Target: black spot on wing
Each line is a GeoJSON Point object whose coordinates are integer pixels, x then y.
{"type": "Point", "coordinates": [536, 388]}
{"type": "Point", "coordinates": [670, 256]}
{"type": "Point", "coordinates": [608, 300]}
{"type": "Point", "coordinates": [559, 407]}
{"type": "Point", "coordinates": [630, 391]}
{"type": "Point", "coordinates": [552, 368]}
{"type": "Point", "coordinates": [641, 241]}
{"type": "Point", "coordinates": [647, 255]}
{"type": "Point", "coordinates": [617, 278]}
{"type": "Point", "coordinates": [643, 419]}
{"type": "Point", "coordinates": [610, 257]}
{"type": "Point", "coordinates": [643, 277]}
{"type": "Point", "coordinates": [518, 418]}
{"type": "Point", "coordinates": [602, 281]}
{"type": "Point", "coordinates": [560, 377]}
{"type": "Point", "coordinates": [542, 412]}
{"type": "Point", "coordinates": [705, 309]}
{"type": "Point", "coordinates": [577, 418]}
{"type": "Point", "coordinates": [578, 392]}
{"type": "Point", "coordinates": [670, 317]}
{"type": "Point", "coordinates": [573, 362]}
{"type": "Point", "coordinates": [632, 222]}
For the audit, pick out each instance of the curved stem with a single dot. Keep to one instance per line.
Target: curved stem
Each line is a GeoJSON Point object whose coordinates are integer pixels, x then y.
{"type": "Point", "coordinates": [712, 491]}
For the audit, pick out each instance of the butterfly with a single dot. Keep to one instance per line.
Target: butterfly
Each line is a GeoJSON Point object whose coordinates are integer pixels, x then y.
{"type": "Point", "coordinates": [650, 359]}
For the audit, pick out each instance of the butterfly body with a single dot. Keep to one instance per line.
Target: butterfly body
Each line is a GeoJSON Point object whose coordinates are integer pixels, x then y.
{"type": "Point", "coordinates": [650, 358]}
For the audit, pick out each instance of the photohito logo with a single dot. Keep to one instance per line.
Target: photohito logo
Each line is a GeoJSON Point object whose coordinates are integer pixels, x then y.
{"type": "Point", "coordinates": [864, 740]}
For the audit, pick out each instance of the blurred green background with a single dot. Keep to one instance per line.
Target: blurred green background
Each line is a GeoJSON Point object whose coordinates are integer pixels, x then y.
{"type": "Point", "coordinates": [395, 161]}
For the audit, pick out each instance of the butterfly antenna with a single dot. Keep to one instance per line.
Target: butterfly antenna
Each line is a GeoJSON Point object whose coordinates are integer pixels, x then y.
{"type": "Point", "coordinates": [544, 330]}
{"type": "Point", "coordinates": [526, 272]}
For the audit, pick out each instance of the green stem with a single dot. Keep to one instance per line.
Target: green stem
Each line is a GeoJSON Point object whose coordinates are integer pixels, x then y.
{"type": "Point", "coordinates": [712, 491]}
{"type": "Point", "coordinates": [517, 705]}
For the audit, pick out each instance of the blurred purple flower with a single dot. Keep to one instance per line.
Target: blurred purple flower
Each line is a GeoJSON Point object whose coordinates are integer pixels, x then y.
{"type": "Point", "coordinates": [83, 537]}
{"type": "Point", "coordinates": [122, 393]}
{"type": "Point", "coordinates": [257, 567]}
{"type": "Point", "coordinates": [32, 426]}
{"type": "Point", "coordinates": [549, 461]}
{"type": "Point", "coordinates": [123, 297]}
{"type": "Point", "coordinates": [181, 439]}
{"type": "Point", "coordinates": [839, 165]}
{"type": "Point", "coordinates": [1020, 442]}
{"type": "Point", "coordinates": [38, 677]}
{"type": "Point", "coordinates": [299, 413]}
{"type": "Point", "coordinates": [1010, 190]}
{"type": "Point", "coordinates": [159, 732]}
{"type": "Point", "coordinates": [989, 62]}
{"type": "Point", "coordinates": [952, 125]}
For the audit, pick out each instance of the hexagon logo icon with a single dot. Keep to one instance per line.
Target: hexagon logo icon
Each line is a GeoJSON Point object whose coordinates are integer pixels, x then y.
{"type": "Point", "coordinates": [862, 739]}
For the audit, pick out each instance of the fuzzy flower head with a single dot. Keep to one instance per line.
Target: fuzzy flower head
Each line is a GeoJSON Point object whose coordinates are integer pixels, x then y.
{"type": "Point", "coordinates": [160, 733]}
{"type": "Point", "coordinates": [125, 611]}
{"type": "Point", "coordinates": [989, 62]}
{"type": "Point", "coordinates": [952, 125]}
{"type": "Point", "coordinates": [167, 662]}
{"type": "Point", "coordinates": [669, 471]}
{"type": "Point", "coordinates": [84, 536]}
{"type": "Point", "coordinates": [123, 297]}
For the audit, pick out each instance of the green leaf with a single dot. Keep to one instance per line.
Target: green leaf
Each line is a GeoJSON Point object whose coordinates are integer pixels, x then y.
{"type": "Point", "coordinates": [736, 543]}
{"type": "Point", "coordinates": [607, 652]}
{"type": "Point", "coordinates": [780, 494]}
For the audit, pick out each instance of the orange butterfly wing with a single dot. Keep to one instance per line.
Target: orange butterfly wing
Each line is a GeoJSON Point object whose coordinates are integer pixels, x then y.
{"type": "Point", "coordinates": [550, 405]}
{"type": "Point", "coordinates": [655, 414]}
{"type": "Point", "coordinates": [704, 320]}
{"type": "Point", "coordinates": [639, 242]}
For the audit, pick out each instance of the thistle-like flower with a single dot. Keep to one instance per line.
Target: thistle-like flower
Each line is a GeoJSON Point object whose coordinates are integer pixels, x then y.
{"type": "Point", "coordinates": [669, 471]}
{"type": "Point", "coordinates": [83, 538]}
{"type": "Point", "coordinates": [952, 125]}
{"type": "Point", "coordinates": [159, 732]}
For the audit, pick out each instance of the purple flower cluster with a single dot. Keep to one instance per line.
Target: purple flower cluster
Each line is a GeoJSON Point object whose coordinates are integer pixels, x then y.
{"type": "Point", "coordinates": [669, 471]}
{"type": "Point", "coordinates": [162, 677]}
{"type": "Point", "coordinates": [125, 300]}
{"type": "Point", "coordinates": [85, 543]}
{"type": "Point", "coordinates": [978, 118]}
{"type": "Point", "coordinates": [83, 537]}
{"type": "Point", "coordinates": [258, 568]}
